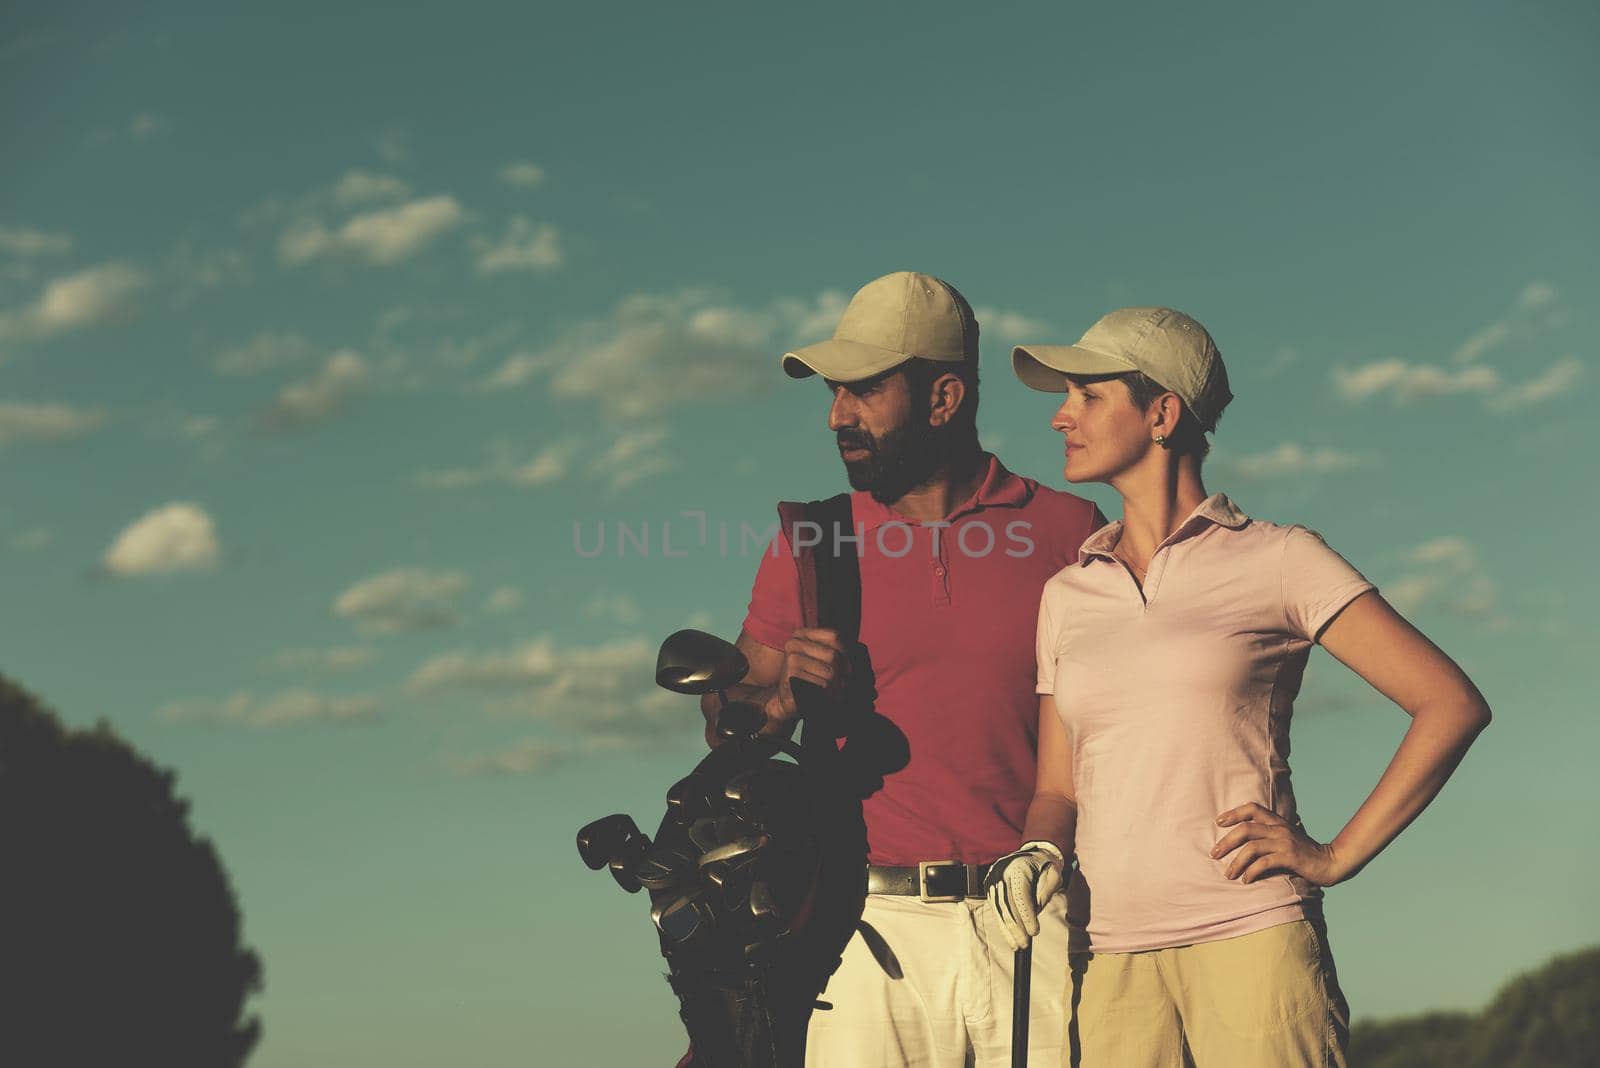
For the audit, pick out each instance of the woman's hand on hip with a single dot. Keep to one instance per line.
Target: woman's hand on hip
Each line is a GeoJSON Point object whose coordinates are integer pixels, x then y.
{"type": "Point", "coordinates": [1263, 843]}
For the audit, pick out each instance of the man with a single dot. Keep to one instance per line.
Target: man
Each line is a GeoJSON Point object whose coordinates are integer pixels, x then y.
{"type": "Point", "coordinates": [953, 554]}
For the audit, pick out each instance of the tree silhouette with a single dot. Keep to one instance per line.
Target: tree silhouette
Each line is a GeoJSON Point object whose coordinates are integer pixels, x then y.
{"type": "Point", "coordinates": [119, 934]}
{"type": "Point", "coordinates": [1548, 1018]}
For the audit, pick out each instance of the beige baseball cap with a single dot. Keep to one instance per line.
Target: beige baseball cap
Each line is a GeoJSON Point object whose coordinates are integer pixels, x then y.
{"type": "Point", "coordinates": [1168, 346]}
{"type": "Point", "coordinates": [888, 321]}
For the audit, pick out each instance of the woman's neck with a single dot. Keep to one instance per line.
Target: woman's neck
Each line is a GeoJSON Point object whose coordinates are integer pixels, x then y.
{"type": "Point", "coordinates": [1154, 501]}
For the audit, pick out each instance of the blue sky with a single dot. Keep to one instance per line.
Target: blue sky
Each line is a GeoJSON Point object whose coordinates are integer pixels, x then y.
{"type": "Point", "coordinates": [320, 334]}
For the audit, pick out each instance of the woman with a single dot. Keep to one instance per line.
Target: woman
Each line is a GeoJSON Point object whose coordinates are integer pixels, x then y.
{"type": "Point", "coordinates": [1169, 657]}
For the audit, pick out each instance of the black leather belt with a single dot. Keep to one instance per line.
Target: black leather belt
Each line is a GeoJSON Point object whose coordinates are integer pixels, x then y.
{"type": "Point", "coordinates": [931, 880]}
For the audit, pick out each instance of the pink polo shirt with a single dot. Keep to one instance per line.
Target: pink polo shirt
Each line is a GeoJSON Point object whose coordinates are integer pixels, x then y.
{"type": "Point", "coordinates": [947, 618]}
{"type": "Point", "coordinates": [1177, 703]}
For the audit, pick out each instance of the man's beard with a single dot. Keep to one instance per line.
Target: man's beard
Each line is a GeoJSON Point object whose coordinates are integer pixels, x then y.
{"type": "Point", "coordinates": [898, 462]}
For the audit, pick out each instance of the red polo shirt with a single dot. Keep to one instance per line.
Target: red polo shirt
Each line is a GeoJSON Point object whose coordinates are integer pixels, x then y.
{"type": "Point", "coordinates": [948, 614]}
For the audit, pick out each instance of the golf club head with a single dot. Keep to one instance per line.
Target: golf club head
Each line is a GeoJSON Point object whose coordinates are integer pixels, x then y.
{"type": "Point", "coordinates": [694, 662]}
{"type": "Point", "coordinates": [662, 868]}
{"type": "Point", "coordinates": [704, 834]}
{"type": "Point", "coordinates": [763, 906]}
{"type": "Point", "coordinates": [737, 849]}
{"type": "Point", "coordinates": [729, 880]}
{"type": "Point", "coordinates": [624, 871]}
{"type": "Point", "coordinates": [682, 917]}
{"type": "Point", "coordinates": [688, 800]}
{"type": "Point", "coordinates": [609, 837]}
{"type": "Point", "coordinates": [741, 721]}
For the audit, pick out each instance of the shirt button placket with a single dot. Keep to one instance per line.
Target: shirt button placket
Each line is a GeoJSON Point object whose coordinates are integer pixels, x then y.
{"type": "Point", "coordinates": [941, 567]}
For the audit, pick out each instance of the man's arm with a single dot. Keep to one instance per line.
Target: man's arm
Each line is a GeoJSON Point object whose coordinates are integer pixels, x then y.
{"type": "Point", "coordinates": [815, 654]}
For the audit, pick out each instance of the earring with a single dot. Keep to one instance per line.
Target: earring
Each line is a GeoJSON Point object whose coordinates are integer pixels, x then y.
{"type": "Point", "coordinates": [1161, 439]}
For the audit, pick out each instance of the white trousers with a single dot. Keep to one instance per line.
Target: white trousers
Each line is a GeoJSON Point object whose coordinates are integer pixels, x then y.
{"type": "Point", "coordinates": [931, 984]}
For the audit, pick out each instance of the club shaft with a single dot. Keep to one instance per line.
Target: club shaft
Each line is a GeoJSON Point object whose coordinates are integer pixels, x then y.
{"type": "Point", "coordinates": [1021, 993]}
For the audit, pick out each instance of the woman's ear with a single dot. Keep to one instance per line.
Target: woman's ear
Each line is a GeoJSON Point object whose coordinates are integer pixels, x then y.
{"type": "Point", "coordinates": [1169, 411]}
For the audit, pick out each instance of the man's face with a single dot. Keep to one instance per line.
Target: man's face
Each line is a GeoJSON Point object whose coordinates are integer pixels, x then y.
{"type": "Point", "coordinates": [887, 444]}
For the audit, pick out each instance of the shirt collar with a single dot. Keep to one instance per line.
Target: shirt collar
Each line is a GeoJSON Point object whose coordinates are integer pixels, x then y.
{"type": "Point", "coordinates": [1215, 510]}
{"type": "Point", "coordinates": [998, 488]}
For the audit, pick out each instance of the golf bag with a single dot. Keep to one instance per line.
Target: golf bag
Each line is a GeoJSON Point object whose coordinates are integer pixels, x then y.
{"type": "Point", "coordinates": [757, 872]}
{"type": "Point", "coordinates": [766, 1011]}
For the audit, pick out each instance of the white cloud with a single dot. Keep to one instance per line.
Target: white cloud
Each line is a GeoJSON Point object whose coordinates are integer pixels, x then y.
{"type": "Point", "coordinates": [523, 174]}
{"type": "Point", "coordinates": [175, 537]}
{"type": "Point", "coordinates": [549, 464]}
{"type": "Point", "coordinates": [404, 599]}
{"type": "Point", "coordinates": [1529, 315]}
{"type": "Point", "coordinates": [87, 298]}
{"type": "Point", "coordinates": [286, 709]}
{"type": "Point", "coordinates": [45, 422]}
{"type": "Point", "coordinates": [999, 324]}
{"type": "Point", "coordinates": [585, 689]}
{"type": "Point", "coordinates": [517, 370]}
{"type": "Point", "coordinates": [31, 539]}
{"type": "Point", "coordinates": [21, 241]}
{"type": "Point", "coordinates": [320, 397]}
{"type": "Point", "coordinates": [334, 658]}
{"type": "Point", "coordinates": [1536, 295]}
{"type": "Point", "coordinates": [613, 607]}
{"type": "Point", "coordinates": [1557, 379]}
{"type": "Point", "coordinates": [147, 124]}
{"type": "Point", "coordinates": [1291, 459]}
{"type": "Point", "coordinates": [198, 427]}
{"type": "Point", "coordinates": [525, 247]}
{"type": "Point", "coordinates": [1445, 575]}
{"type": "Point", "coordinates": [266, 351]}
{"type": "Point", "coordinates": [533, 755]}
{"type": "Point", "coordinates": [521, 758]}
{"type": "Point", "coordinates": [362, 187]}
{"type": "Point", "coordinates": [1450, 552]}
{"type": "Point", "coordinates": [1404, 381]}
{"type": "Point", "coordinates": [382, 237]}
{"type": "Point", "coordinates": [658, 351]}
{"type": "Point", "coordinates": [504, 599]}
{"type": "Point", "coordinates": [394, 145]}
{"type": "Point", "coordinates": [632, 457]}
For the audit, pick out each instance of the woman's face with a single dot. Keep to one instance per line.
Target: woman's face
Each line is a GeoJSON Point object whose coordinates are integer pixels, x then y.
{"type": "Point", "coordinates": [1106, 433]}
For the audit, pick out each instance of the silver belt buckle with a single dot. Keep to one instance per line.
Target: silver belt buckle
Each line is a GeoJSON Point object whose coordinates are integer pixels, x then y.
{"type": "Point", "coordinates": [923, 867]}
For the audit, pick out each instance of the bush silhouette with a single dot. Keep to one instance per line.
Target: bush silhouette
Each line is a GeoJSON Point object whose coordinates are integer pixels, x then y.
{"type": "Point", "coordinates": [1548, 1018]}
{"type": "Point", "coordinates": [119, 934]}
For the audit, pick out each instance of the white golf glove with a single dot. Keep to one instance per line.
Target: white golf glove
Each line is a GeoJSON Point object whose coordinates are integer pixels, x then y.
{"type": "Point", "coordinates": [1020, 884]}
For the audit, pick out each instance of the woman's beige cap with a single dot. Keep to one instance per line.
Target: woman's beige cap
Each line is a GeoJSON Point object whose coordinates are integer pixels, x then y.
{"type": "Point", "coordinates": [1168, 346]}
{"type": "Point", "coordinates": [888, 321]}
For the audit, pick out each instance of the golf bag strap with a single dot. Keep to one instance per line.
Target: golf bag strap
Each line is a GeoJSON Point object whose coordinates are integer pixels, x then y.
{"type": "Point", "coordinates": [825, 557]}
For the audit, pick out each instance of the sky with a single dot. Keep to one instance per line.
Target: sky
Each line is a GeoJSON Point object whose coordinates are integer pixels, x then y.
{"type": "Point", "coordinates": [332, 341]}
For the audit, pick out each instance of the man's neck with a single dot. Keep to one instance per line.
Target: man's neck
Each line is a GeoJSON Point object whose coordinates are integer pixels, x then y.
{"type": "Point", "coordinates": [950, 487]}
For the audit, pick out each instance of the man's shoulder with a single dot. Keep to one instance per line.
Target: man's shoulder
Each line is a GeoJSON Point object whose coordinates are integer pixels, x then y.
{"type": "Point", "coordinates": [1059, 504]}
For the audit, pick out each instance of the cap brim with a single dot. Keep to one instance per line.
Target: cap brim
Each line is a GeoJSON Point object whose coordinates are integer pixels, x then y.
{"type": "Point", "coordinates": [840, 360]}
{"type": "Point", "coordinates": [1046, 367]}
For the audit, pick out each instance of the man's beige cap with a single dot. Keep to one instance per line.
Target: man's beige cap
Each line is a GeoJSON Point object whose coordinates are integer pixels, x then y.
{"type": "Point", "coordinates": [888, 321]}
{"type": "Point", "coordinates": [1168, 346]}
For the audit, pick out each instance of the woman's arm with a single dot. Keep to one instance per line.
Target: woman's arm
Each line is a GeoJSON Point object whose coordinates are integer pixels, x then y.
{"type": "Point", "coordinates": [1447, 712]}
{"type": "Point", "coordinates": [1053, 813]}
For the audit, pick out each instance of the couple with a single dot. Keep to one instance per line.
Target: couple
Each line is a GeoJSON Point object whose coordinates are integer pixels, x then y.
{"type": "Point", "coordinates": [1115, 698]}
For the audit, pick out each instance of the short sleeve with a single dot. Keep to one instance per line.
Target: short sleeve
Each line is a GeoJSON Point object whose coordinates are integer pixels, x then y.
{"type": "Point", "coordinates": [1317, 583]}
{"type": "Point", "coordinates": [774, 611]}
{"type": "Point", "coordinates": [1045, 649]}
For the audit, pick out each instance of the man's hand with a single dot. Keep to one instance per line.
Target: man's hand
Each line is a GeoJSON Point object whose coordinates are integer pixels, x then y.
{"type": "Point", "coordinates": [1264, 843]}
{"type": "Point", "coordinates": [1020, 884]}
{"type": "Point", "coordinates": [815, 654]}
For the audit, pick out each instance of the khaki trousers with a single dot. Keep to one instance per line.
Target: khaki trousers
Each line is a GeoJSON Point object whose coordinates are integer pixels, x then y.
{"type": "Point", "coordinates": [1270, 999]}
{"type": "Point", "coordinates": [930, 984]}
